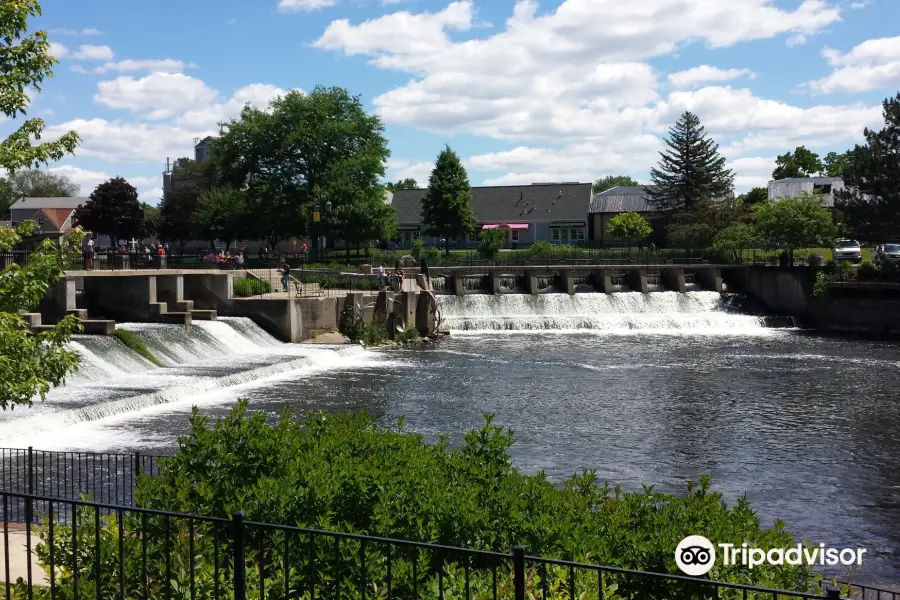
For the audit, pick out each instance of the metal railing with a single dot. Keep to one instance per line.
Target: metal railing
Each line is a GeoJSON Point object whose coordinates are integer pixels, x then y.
{"type": "Point", "coordinates": [95, 550]}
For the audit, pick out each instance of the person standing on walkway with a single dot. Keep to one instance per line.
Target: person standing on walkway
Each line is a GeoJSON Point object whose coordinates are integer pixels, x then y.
{"type": "Point", "coordinates": [285, 275]}
{"type": "Point", "coordinates": [423, 270]}
{"type": "Point", "coordinates": [89, 253]}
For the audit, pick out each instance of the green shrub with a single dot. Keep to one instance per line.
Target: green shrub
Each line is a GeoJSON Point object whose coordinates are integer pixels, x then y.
{"type": "Point", "coordinates": [867, 271]}
{"type": "Point", "coordinates": [343, 473]}
{"type": "Point", "coordinates": [491, 242]}
{"type": "Point", "coordinates": [540, 248]}
{"type": "Point", "coordinates": [889, 270]}
{"type": "Point", "coordinates": [134, 342]}
{"type": "Point", "coordinates": [375, 333]}
{"type": "Point", "coordinates": [245, 287]}
{"type": "Point", "coordinates": [416, 249]}
{"type": "Point", "coordinates": [432, 254]}
{"type": "Point", "coordinates": [407, 335]}
{"type": "Point", "coordinates": [351, 324]}
{"type": "Point", "coordinates": [820, 285]}
{"type": "Point", "coordinates": [839, 271]}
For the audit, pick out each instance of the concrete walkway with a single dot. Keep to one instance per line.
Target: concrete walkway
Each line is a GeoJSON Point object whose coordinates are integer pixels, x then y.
{"type": "Point", "coordinates": [18, 567]}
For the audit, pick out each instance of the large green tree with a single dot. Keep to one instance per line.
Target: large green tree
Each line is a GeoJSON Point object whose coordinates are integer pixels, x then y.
{"type": "Point", "coordinates": [174, 221]}
{"type": "Point", "coordinates": [404, 184]}
{"type": "Point", "coordinates": [755, 196]}
{"type": "Point", "coordinates": [34, 183]}
{"type": "Point", "coordinates": [836, 163]}
{"type": "Point", "coordinates": [611, 181]}
{"type": "Point", "coordinates": [304, 150]}
{"type": "Point", "coordinates": [446, 209]}
{"type": "Point", "coordinates": [799, 163]}
{"type": "Point", "coordinates": [629, 226]}
{"type": "Point", "coordinates": [221, 214]}
{"type": "Point", "coordinates": [870, 200]}
{"type": "Point", "coordinates": [691, 173]}
{"type": "Point", "coordinates": [30, 364]}
{"type": "Point", "coordinates": [795, 223]}
{"type": "Point", "coordinates": [113, 209]}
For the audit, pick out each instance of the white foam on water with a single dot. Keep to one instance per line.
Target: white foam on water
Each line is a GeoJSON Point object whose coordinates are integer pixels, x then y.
{"type": "Point", "coordinates": [663, 313]}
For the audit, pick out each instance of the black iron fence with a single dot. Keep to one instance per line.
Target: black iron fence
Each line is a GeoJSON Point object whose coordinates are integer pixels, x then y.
{"type": "Point", "coordinates": [76, 549]}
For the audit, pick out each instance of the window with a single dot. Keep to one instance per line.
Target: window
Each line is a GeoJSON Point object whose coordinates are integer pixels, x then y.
{"type": "Point", "coordinates": [576, 234]}
{"type": "Point", "coordinates": [515, 235]}
{"type": "Point", "coordinates": [822, 189]}
{"type": "Point", "coordinates": [554, 234]}
{"type": "Point", "coordinates": [473, 237]}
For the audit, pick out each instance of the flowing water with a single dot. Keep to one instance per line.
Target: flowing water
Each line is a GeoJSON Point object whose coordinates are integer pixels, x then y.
{"type": "Point", "coordinates": [647, 389]}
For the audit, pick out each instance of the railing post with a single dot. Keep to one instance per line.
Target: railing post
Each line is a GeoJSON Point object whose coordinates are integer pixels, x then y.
{"type": "Point", "coordinates": [29, 486]}
{"type": "Point", "coordinates": [832, 593]}
{"type": "Point", "coordinates": [519, 572]}
{"type": "Point", "coordinates": [240, 575]}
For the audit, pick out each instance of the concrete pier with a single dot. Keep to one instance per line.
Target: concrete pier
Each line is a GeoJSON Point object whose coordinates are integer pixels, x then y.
{"type": "Point", "coordinates": [603, 281]}
{"type": "Point", "coordinates": [531, 283]}
{"type": "Point", "coordinates": [637, 280]}
{"type": "Point", "coordinates": [565, 281]}
{"type": "Point", "coordinates": [710, 278]}
{"type": "Point", "coordinates": [673, 279]}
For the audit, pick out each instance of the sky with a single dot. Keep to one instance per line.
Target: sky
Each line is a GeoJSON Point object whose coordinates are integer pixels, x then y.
{"type": "Point", "coordinates": [524, 91]}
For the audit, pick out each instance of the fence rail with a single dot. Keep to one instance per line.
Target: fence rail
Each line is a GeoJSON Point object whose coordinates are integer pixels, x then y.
{"type": "Point", "coordinates": [85, 549]}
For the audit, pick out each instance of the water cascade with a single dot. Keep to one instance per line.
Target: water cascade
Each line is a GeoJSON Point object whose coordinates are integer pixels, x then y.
{"type": "Point", "coordinates": [582, 284]}
{"type": "Point", "coordinates": [660, 311]}
{"type": "Point", "coordinates": [545, 285]}
{"type": "Point", "coordinates": [509, 284]}
{"type": "Point", "coordinates": [654, 281]}
{"type": "Point", "coordinates": [440, 283]}
{"type": "Point", "coordinates": [474, 283]}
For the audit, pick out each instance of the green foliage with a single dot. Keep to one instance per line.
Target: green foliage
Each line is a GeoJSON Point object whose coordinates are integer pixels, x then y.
{"type": "Point", "coordinates": [416, 249]}
{"type": "Point", "coordinates": [247, 286]}
{"type": "Point", "coordinates": [113, 209]}
{"type": "Point", "coordinates": [492, 241]}
{"type": "Point", "coordinates": [698, 228]}
{"type": "Point", "coordinates": [343, 473]}
{"type": "Point", "coordinates": [820, 286]}
{"type": "Point", "coordinates": [837, 164]}
{"type": "Point", "coordinates": [175, 212]}
{"type": "Point", "coordinates": [404, 184]}
{"type": "Point", "coordinates": [30, 364]}
{"type": "Point", "coordinates": [611, 181]}
{"type": "Point", "coordinates": [407, 335]}
{"type": "Point", "coordinates": [870, 200]}
{"type": "Point", "coordinates": [341, 283]}
{"type": "Point", "coordinates": [540, 248]}
{"type": "Point", "coordinates": [799, 163]}
{"type": "Point", "coordinates": [890, 271]}
{"type": "Point", "coordinates": [867, 270]}
{"type": "Point", "coordinates": [629, 226]}
{"type": "Point", "coordinates": [33, 184]}
{"type": "Point", "coordinates": [221, 214]}
{"type": "Point", "coordinates": [755, 196]}
{"type": "Point", "coordinates": [445, 208]}
{"type": "Point", "coordinates": [26, 62]}
{"type": "Point", "coordinates": [376, 332]}
{"type": "Point", "coordinates": [351, 324]}
{"type": "Point", "coordinates": [795, 223]}
{"type": "Point", "coordinates": [740, 236]}
{"type": "Point", "coordinates": [839, 270]}
{"type": "Point", "coordinates": [135, 343]}
{"type": "Point", "coordinates": [691, 172]}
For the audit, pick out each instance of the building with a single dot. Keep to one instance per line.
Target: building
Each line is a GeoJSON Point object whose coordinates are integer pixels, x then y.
{"type": "Point", "coordinates": [54, 215]}
{"type": "Point", "coordinates": [552, 212]}
{"type": "Point", "coordinates": [175, 177]}
{"type": "Point", "coordinates": [620, 199]}
{"type": "Point", "coordinates": [794, 187]}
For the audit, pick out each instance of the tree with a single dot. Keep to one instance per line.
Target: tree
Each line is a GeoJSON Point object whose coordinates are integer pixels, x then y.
{"type": "Point", "coordinates": [836, 164]}
{"type": "Point", "coordinates": [221, 214]}
{"type": "Point", "coordinates": [740, 236]}
{"type": "Point", "coordinates": [799, 163]}
{"type": "Point", "coordinates": [364, 220]}
{"type": "Point", "coordinates": [445, 208]}
{"type": "Point", "coordinates": [26, 62]}
{"type": "Point", "coordinates": [31, 363]}
{"type": "Point", "coordinates": [491, 241]}
{"type": "Point", "coordinates": [795, 223]}
{"type": "Point", "coordinates": [306, 149]}
{"type": "Point", "coordinates": [151, 220]}
{"type": "Point", "coordinates": [174, 222]}
{"type": "Point", "coordinates": [34, 183]}
{"type": "Point", "coordinates": [755, 196]}
{"type": "Point", "coordinates": [870, 200]}
{"type": "Point", "coordinates": [404, 184]}
{"type": "Point", "coordinates": [113, 209]}
{"type": "Point", "coordinates": [611, 181]}
{"type": "Point", "coordinates": [698, 228]}
{"type": "Point", "coordinates": [691, 173]}
{"type": "Point", "coordinates": [630, 226]}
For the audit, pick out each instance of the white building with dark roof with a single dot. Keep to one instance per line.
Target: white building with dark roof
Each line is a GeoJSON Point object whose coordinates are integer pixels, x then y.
{"type": "Point", "coordinates": [620, 199]}
{"type": "Point", "coordinates": [794, 187]}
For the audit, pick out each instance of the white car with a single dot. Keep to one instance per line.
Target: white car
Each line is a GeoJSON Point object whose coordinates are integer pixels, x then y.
{"type": "Point", "coordinates": [887, 252]}
{"type": "Point", "coordinates": [848, 250]}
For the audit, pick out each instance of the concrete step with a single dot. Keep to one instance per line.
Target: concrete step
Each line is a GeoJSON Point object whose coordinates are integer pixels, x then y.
{"type": "Point", "coordinates": [33, 319]}
{"type": "Point", "coordinates": [182, 306]}
{"type": "Point", "coordinates": [178, 318]}
{"type": "Point", "coordinates": [203, 315]}
{"type": "Point", "coordinates": [79, 313]}
{"type": "Point", "coordinates": [98, 326]}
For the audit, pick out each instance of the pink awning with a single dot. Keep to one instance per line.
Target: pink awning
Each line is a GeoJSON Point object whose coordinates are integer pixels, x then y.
{"type": "Point", "coordinates": [506, 226]}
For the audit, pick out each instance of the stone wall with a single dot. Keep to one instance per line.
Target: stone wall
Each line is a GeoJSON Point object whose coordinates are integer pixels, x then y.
{"type": "Point", "coordinates": [880, 316]}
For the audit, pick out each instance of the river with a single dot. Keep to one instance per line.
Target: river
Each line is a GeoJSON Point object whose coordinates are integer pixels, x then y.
{"type": "Point", "coordinates": [647, 391]}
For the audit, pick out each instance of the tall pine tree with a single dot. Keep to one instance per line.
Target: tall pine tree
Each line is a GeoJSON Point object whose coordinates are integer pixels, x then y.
{"type": "Point", "coordinates": [445, 208]}
{"type": "Point", "coordinates": [870, 199]}
{"type": "Point", "coordinates": [691, 173]}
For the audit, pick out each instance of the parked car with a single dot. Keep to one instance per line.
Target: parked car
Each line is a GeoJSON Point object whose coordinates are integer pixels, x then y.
{"type": "Point", "coordinates": [886, 252]}
{"type": "Point", "coordinates": [848, 250]}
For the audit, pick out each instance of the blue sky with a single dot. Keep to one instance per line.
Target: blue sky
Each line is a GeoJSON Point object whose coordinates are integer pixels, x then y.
{"type": "Point", "coordinates": [524, 91]}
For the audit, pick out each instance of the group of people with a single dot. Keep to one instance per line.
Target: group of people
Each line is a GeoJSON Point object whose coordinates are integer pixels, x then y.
{"type": "Point", "coordinates": [394, 279]}
{"type": "Point", "coordinates": [225, 258]}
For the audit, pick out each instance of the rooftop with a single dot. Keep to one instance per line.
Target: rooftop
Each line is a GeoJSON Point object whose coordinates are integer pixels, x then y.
{"type": "Point", "coordinates": [508, 203]}
{"type": "Point", "coordinates": [622, 198]}
{"type": "Point", "coordinates": [71, 203]}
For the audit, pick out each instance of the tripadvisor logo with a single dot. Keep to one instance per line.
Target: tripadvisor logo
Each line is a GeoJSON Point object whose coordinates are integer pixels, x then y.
{"type": "Point", "coordinates": [695, 555]}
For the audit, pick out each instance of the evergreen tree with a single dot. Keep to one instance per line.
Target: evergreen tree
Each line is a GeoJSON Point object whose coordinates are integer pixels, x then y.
{"type": "Point", "coordinates": [870, 199]}
{"type": "Point", "coordinates": [691, 173]}
{"type": "Point", "coordinates": [445, 208]}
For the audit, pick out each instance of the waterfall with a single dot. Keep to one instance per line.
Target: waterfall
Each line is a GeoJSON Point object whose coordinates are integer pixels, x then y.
{"type": "Point", "coordinates": [199, 360]}
{"type": "Point", "coordinates": [660, 311]}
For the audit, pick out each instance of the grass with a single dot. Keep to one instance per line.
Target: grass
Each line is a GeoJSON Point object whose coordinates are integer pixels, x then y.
{"type": "Point", "coordinates": [250, 287]}
{"type": "Point", "coordinates": [135, 343]}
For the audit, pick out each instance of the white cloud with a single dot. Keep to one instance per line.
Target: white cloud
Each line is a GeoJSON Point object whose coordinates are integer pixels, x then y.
{"type": "Point", "coordinates": [121, 141]}
{"type": "Point", "coordinates": [859, 5]}
{"type": "Point", "coordinates": [156, 96]}
{"type": "Point", "coordinates": [751, 172]}
{"type": "Point", "coordinates": [399, 168]}
{"type": "Point", "coordinates": [796, 40]}
{"type": "Point", "coordinates": [58, 51]}
{"type": "Point", "coordinates": [706, 74]}
{"type": "Point", "coordinates": [304, 5]}
{"type": "Point", "coordinates": [872, 65]}
{"type": "Point", "coordinates": [130, 65]}
{"type": "Point", "coordinates": [91, 52]}
{"type": "Point", "coordinates": [90, 31]}
{"type": "Point", "coordinates": [88, 180]}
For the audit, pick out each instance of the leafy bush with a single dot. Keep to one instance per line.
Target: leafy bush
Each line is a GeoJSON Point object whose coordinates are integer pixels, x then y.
{"type": "Point", "coordinates": [867, 271]}
{"type": "Point", "coordinates": [417, 247]}
{"type": "Point", "coordinates": [250, 287]}
{"type": "Point", "coordinates": [343, 473]}
{"type": "Point", "coordinates": [889, 270]}
{"type": "Point", "coordinates": [134, 342]}
{"type": "Point", "coordinates": [491, 242]}
{"type": "Point", "coordinates": [351, 324]}
{"type": "Point", "coordinates": [432, 255]}
{"type": "Point", "coordinates": [840, 270]}
{"type": "Point", "coordinates": [815, 260]}
{"type": "Point", "coordinates": [540, 248]}
{"type": "Point", "coordinates": [375, 333]}
{"type": "Point", "coordinates": [820, 285]}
